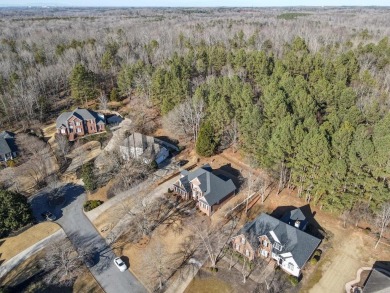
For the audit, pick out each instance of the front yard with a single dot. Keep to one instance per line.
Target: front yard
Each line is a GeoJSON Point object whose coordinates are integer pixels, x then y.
{"type": "Point", "coordinates": [11, 246]}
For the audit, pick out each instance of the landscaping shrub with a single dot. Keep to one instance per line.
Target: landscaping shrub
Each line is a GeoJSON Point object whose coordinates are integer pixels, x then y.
{"type": "Point", "coordinates": [293, 280]}
{"type": "Point", "coordinates": [314, 260]}
{"type": "Point", "coordinates": [11, 163]}
{"type": "Point", "coordinates": [91, 204]}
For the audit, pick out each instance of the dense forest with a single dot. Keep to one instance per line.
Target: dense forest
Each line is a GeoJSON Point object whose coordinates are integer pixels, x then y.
{"type": "Point", "coordinates": [302, 94]}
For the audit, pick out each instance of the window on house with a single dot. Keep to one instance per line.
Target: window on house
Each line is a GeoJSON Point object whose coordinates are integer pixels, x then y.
{"type": "Point", "coordinates": [277, 246]}
{"type": "Point", "coordinates": [290, 266]}
{"type": "Point", "coordinates": [63, 131]}
{"type": "Point", "coordinates": [247, 253]}
{"type": "Point", "coordinates": [77, 123]}
{"type": "Point", "coordinates": [265, 243]}
{"type": "Point", "coordinates": [264, 253]}
{"type": "Point", "coordinates": [237, 246]}
{"type": "Point", "coordinates": [243, 240]}
{"type": "Point", "coordinates": [78, 130]}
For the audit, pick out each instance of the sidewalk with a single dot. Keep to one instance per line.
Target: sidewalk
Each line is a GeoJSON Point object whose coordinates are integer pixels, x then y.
{"type": "Point", "coordinates": [6, 267]}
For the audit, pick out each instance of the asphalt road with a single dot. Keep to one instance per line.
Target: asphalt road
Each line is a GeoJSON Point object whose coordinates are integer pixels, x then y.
{"type": "Point", "coordinates": [83, 235]}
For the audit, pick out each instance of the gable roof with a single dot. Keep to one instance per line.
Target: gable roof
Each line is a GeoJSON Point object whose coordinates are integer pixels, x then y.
{"type": "Point", "coordinates": [83, 114]}
{"type": "Point", "coordinates": [378, 282]}
{"type": "Point", "coordinates": [7, 143]}
{"type": "Point", "coordinates": [214, 188]}
{"type": "Point", "coordinates": [300, 244]}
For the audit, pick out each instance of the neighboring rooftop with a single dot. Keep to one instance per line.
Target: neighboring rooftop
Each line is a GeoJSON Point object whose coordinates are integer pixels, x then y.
{"type": "Point", "coordinates": [300, 244]}
{"type": "Point", "coordinates": [7, 143]}
{"type": "Point", "coordinates": [378, 282]}
{"type": "Point", "coordinates": [214, 188]}
{"type": "Point", "coordinates": [83, 114]}
{"type": "Point", "coordinates": [144, 142]}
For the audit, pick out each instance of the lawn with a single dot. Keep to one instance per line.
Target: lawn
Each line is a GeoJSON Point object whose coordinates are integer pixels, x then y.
{"type": "Point", "coordinates": [223, 281]}
{"type": "Point", "coordinates": [11, 246]}
{"type": "Point", "coordinates": [26, 279]}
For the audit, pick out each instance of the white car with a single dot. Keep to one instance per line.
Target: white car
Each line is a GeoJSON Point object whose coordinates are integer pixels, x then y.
{"type": "Point", "coordinates": [120, 264]}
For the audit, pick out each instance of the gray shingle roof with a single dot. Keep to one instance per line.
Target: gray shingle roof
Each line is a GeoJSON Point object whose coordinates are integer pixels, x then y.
{"type": "Point", "coordinates": [300, 244]}
{"type": "Point", "coordinates": [83, 114]}
{"type": "Point", "coordinates": [7, 143]}
{"type": "Point", "coordinates": [295, 215]}
{"type": "Point", "coordinates": [146, 143]}
{"type": "Point", "coordinates": [213, 187]}
{"type": "Point", "coordinates": [377, 282]}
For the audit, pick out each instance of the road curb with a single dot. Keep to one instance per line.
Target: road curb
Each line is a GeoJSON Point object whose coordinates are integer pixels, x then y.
{"type": "Point", "coordinates": [138, 279]}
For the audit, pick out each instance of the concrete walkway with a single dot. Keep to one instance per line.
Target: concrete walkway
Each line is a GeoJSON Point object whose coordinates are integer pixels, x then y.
{"type": "Point", "coordinates": [348, 286]}
{"type": "Point", "coordinates": [10, 264]}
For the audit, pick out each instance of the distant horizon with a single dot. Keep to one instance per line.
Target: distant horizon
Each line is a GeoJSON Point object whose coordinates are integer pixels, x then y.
{"type": "Point", "coordinates": [193, 3]}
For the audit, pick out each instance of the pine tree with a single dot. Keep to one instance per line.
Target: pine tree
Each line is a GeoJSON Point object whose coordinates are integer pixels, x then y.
{"type": "Point", "coordinates": [206, 144]}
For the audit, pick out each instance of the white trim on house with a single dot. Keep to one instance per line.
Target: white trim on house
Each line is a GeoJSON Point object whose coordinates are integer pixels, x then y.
{"type": "Point", "coordinates": [274, 236]}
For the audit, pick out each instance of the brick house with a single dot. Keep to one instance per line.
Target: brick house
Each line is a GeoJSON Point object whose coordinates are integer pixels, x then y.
{"type": "Point", "coordinates": [79, 123]}
{"type": "Point", "coordinates": [8, 148]}
{"type": "Point", "coordinates": [283, 241]}
{"type": "Point", "coordinates": [202, 185]}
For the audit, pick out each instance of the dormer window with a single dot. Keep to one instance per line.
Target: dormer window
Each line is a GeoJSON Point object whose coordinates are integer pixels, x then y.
{"type": "Point", "coordinates": [243, 240]}
{"type": "Point", "coordinates": [277, 246]}
{"type": "Point", "coordinates": [265, 243]}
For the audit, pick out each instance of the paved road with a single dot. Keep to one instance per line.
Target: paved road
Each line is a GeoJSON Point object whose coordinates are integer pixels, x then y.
{"type": "Point", "coordinates": [83, 235]}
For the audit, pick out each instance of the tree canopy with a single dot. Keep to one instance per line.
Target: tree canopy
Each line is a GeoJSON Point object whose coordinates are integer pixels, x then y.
{"type": "Point", "coordinates": [14, 212]}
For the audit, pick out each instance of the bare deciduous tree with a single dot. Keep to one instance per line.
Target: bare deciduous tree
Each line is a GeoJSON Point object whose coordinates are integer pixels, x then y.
{"type": "Point", "coordinates": [37, 154]}
{"type": "Point", "coordinates": [158, 264]}
{"type": "Point", "coordinates": [103, 102]}
{"type": "Point", "coordinates": [382, 220]}
{"type": "Point", "coordinates": [185, 119]}
{"type": "Point", "coordinates": [63, 263]}
{"type": "Point", "coordinates": [63, 144]}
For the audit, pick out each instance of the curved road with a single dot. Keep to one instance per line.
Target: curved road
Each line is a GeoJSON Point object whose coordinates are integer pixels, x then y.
{"type": "Point", "coordinates": [83, 235]}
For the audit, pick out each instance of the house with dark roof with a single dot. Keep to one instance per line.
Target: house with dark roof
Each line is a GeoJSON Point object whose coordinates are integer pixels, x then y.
{"type": "Point", "coordinates": [8, 148]}
{"type": "Point", "coordinates": [208, 189]}
{"type": "Point", "coordinates": [79, 123]}
{"type": "Point", "coordinates": [283, 241]}
{"type": "Point", "coordinates": [378, 281]}
{"type": "Point", "coordinates": [143, 147]}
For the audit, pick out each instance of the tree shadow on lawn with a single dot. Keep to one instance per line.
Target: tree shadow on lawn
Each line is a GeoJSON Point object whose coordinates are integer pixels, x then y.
{"type": "Point", "coordinates": [40, 202]}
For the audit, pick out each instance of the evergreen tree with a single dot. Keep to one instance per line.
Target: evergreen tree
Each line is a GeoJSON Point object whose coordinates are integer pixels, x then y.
{"type": "Point", "coordinates": [82, 83]}
{"type": "Point", "coordinates": [206, 144]}
{"type": "Point", "coordinates": [14, 212]}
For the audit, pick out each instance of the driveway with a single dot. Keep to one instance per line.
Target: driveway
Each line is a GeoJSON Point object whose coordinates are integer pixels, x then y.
{"type": "Point", "coordinates": [83, 235]}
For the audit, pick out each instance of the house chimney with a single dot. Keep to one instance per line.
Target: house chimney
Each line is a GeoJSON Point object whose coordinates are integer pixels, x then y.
{"type": "Point", "coordinates": [297, 223]}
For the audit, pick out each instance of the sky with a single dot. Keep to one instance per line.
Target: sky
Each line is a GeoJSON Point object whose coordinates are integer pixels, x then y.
{"type": "Point", "coordinates": [194, 3]}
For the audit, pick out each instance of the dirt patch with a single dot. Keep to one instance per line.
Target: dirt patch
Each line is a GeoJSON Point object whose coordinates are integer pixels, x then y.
{"type": "Point", "coordinates": [9, 247]}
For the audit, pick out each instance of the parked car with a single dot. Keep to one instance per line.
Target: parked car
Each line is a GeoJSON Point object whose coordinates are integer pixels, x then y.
{"type": "Point", "coordinates": [48, 216]}
{"type": "Point", "coordinates": [181, 163]}
{"type": "Point", "coordinates": [120, 264]}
